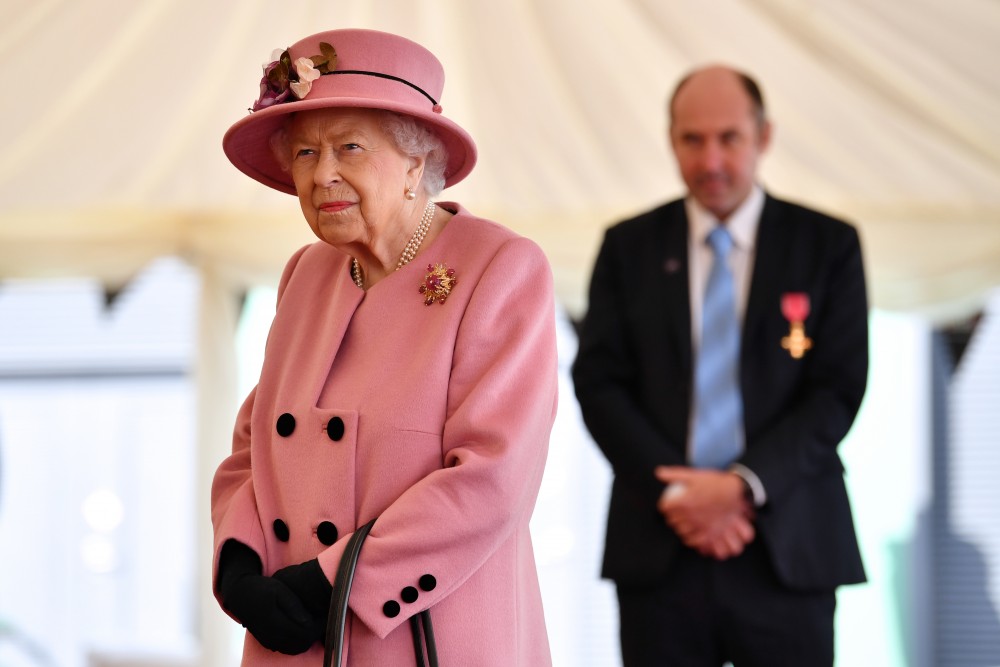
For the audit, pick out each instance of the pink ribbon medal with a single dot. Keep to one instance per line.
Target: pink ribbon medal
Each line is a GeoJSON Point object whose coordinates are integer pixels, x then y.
{"type": "Point", "coordinates": [795, 308]}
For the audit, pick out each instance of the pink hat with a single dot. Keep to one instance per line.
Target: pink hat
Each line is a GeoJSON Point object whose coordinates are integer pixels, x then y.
{"type": "Point", "coordinates": [364, 68]}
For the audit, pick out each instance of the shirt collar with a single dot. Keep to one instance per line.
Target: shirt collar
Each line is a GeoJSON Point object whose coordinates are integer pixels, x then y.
{"type": "Point", "coordinates": [742, 224]}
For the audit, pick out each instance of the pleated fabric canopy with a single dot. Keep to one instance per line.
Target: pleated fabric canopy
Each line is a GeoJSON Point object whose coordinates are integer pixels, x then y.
{"type": "Point", "coordinates": [885, 114]}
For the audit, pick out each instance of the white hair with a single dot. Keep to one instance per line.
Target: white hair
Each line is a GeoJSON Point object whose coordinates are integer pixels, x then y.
{"type": "Point", "coordinates": [411, 137]}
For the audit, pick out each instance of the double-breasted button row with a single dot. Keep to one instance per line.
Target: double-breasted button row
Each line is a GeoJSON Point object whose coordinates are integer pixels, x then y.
{"type": "Point", "coordinates": [326, 532]}
{"type": "Point", "coordinates": [409, 595]}
{"type": "Point", "coordinates": [285, 426]}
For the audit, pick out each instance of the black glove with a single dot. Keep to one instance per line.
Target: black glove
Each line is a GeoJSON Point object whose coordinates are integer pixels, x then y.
{"type": "Point", "coordinates": [309, 583]}
{"type": "Point", "coordinates": [266, 607]}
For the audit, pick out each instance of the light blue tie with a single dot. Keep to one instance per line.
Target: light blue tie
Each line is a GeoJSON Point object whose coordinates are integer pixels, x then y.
{"type": "Point", "coordinates": [718, 404]}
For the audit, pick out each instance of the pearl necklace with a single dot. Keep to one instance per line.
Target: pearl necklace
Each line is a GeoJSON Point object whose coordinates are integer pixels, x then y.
{"type": "Point", "coordinates": [409, 252]}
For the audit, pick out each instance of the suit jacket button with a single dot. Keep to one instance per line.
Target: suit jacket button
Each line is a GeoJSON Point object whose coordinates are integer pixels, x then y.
{"type": "Point", "coordinates": [391, 609]}
{"type": "Point", "coordinates": [285, 425]}
{"type": "Point", "coordinates": [428, 582]}
{"type": "Point", "coordinates": [281, 530]}
{"type": "Point", "coordinates": [327, 533]}
{"type": "Point", "coordinates": [409, 594]}
{"type": "Point", "coordinates": [335, 429]}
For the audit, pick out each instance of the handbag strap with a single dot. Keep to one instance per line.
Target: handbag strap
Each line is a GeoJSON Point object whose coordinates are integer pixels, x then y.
{"type": "Point", "coordinates": [424, 637]}
{"type": "Point", "coordinates": [333, 650]}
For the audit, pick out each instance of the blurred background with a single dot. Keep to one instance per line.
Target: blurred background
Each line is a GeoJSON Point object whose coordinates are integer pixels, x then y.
{"type": "Point", "coordinates": [138, 267]}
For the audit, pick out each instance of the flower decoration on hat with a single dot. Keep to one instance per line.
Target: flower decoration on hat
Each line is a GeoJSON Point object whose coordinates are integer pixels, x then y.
{"type": "Point", "coordinates": [438, 283]}
{"type": "Point", "coordinates": [285, 81]}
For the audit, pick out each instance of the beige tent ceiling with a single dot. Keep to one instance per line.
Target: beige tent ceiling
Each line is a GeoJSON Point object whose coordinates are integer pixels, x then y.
{"type": "Point", "coordinates": [886, 112]}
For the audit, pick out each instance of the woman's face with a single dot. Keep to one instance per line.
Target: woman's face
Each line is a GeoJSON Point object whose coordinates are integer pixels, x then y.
{"type": "Point", "coordinates": [350, 177]}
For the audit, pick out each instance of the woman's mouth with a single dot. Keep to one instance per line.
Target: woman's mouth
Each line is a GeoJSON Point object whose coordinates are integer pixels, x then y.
{"type": "Point", "coordinates": [335, 206]}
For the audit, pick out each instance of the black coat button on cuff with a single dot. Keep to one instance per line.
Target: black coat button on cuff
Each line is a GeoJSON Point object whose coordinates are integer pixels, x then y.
{"type": "Point", "coordinates": [391, 609]}
{"type": "Point", "coordinates": [409, 594]}
{"type": "Point", "coordinates": [280, 530]}
{"type": "Point", "coordinates": [428, 582]}
{"type": "Point", "coordinates": [335, 428]}
{"type": "Point", "coordinates": [285, 425]}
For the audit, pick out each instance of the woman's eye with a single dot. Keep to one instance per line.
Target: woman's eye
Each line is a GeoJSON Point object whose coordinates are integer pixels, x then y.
{"type": "Point", "coordinates": [351, 147]}
{"type": "Point", "coordinates": [302, 152]}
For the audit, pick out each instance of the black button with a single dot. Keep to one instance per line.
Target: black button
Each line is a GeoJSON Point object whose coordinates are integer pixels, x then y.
{"type": "Point", "coordinates": [409, 594]}
{"type": "Point", "coordinates": [327, 533]}
{"type": "Point", "coordinates": [280, 530]}
{"type": "Point", "coordinates": [335, 428]}
{"type": "Point", "coordinates": [428, 582]}
{"type": "Point", "coordinates": [286, 424]}
{"type": "Point", "coordinates": [391, 609]}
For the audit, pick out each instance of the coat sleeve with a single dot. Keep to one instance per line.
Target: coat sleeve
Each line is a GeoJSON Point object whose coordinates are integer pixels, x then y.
{"type": "Point", "coordinates": [606, 378]}
{"type": "Point", "coordinates": [501, 406]}
{"type": "Point", "coordinates": [234, 505]}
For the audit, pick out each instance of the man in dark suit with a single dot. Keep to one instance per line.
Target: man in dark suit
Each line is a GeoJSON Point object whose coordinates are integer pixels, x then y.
{"type": "Point", "coordinates": [734, 554]}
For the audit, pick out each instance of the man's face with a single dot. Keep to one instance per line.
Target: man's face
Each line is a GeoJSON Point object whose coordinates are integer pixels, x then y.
{"type": "Point", "coordinates": [717, 139]}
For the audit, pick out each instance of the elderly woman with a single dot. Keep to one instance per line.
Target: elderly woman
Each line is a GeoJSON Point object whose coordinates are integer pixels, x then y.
{"type": "Point", "coordinates": [409, 377]}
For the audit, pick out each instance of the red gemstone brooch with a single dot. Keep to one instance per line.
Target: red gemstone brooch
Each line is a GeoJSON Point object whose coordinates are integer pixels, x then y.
{"type": "Point", "coordinates": [438, 283]}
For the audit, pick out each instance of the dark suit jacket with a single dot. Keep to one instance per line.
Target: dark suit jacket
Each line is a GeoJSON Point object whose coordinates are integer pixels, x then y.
{"type": "Point", "coordinates": [633, 377]}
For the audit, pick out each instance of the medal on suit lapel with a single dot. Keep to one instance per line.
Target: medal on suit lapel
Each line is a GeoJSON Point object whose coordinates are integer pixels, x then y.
{"type": "Point", "coordinates": [795, 308]}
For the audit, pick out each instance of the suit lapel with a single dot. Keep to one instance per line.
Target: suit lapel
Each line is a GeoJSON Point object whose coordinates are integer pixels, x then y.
{"type": "Point", "coordinates": [672, 252]}
{"type": "Point", "coordinates": [769, 263]}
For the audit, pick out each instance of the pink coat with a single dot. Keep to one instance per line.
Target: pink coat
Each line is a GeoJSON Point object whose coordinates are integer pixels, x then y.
{"type": "Point", "coordinates": [435, 419]}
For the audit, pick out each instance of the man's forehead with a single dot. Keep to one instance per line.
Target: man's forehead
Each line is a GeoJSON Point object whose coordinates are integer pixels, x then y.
{"type": "Point", "coordinates": [712, 120]}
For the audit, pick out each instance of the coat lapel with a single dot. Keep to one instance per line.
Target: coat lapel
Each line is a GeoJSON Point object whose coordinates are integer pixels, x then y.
{"type": "Point", "coordinates": [314, 335]}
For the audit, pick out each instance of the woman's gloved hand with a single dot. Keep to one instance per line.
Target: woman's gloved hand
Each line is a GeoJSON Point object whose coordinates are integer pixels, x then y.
{"type": "Point", "coordinates": [311, 586]}
{"type": "Point", "coordinates": [265, 606]}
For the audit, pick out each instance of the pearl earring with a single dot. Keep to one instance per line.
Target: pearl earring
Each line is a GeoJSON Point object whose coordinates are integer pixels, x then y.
{"type": "Point", "coordinates": [410, 194]}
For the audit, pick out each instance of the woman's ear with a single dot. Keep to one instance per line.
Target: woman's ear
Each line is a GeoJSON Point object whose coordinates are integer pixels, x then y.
{"type": "Point", "coordinates": [416, 170]}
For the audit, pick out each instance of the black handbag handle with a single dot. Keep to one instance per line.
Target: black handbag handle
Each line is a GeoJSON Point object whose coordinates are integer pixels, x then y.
{"type": "Point", "coordinates": [333, 650]}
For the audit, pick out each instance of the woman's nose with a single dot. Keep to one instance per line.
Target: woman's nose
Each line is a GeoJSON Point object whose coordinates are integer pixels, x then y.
{"type": "Point", "coordinates": [327, 171]}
